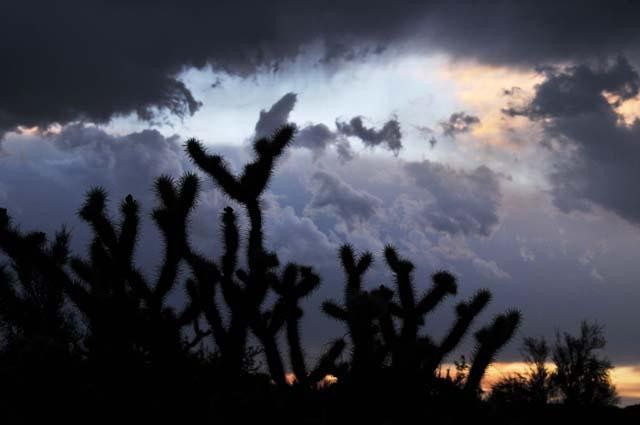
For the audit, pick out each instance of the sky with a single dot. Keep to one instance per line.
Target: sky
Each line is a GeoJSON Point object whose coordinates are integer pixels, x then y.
{"type": "Point", "coordinates": [498, 140]}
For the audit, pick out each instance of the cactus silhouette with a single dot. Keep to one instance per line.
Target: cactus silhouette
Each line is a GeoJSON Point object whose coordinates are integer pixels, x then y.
{"type": "Point", "coordinates": [490, 339]}
{"type": "Point", "coordinates": [136, 339]}
{"type": "Point", "coordinates": [245, 290]}
{"type": "Point", "coordinates": [382, 323]}
{"type": "Point", "coordinates": [358, 313]}
{"type": "Point", "coordinates": [295, 283]}
{"type": "Point", "coordinates": [246, 300]}
{"type": "Point", "coordinates": [129, 317]}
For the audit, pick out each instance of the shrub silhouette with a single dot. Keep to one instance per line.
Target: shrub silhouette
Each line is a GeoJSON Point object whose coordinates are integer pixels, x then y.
{"type": "Point", "coordinates": [131, 333]}
{"type": "Point", "coordinates": [534, 388]}
{"type": "Point", "coordinates": [580, 377]}
{"type": "Point", "coordinates": [31, 305]}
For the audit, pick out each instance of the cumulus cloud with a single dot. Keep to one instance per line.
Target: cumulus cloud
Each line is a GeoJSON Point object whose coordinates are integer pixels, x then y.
{"type": "Point", "coordinates": [297, 238]}
{"type": "Point", "coordinates": [351, 205]}
{"type": "Point", "coordinates": [83, 156]}
{"type": "Point", "coordinates": [596, 152]}
{"type": "Point", "coordinates": [461, 202]}
{"type": "Point", "coordinates": [459, 122]}
{"type": "Point", "coordinates": [43, 180]}
{"type": "Point", "coordinates": [456, 248]}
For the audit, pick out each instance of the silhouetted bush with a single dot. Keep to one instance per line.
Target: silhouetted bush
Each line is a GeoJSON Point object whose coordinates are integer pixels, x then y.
{"type": "Point", "coordinates": [578, 382]}
{"type": "Point", "coordinates": [582, 375]}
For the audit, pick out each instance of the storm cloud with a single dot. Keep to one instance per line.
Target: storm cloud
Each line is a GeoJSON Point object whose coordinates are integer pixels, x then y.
{"type": "Point", "coordinates": [78, 63]}
{"type": "Point", "coordinates": [319, 137]}
{"type": "Point", "coordinates": [596, 151]}
{"type": "Point", "coordinates": [277, 116]}
{"type": "Point", "coordinates": [43, 181]}
{"type": "Point", "coordinates": [388, 136]}
{"type": "Point", "coordinates": [93, 60]}
{"type": "Point", "coordinates": [353, 206]}
{"type": "Point", "coordinates": [462, 202]}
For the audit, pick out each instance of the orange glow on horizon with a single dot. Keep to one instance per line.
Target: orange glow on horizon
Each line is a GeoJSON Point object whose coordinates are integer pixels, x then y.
{"type": "Point", "coordinates": [626, 378]}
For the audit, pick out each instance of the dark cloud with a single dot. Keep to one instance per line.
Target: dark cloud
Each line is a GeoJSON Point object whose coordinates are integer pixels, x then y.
{"type": "Point", "coordinates": [351, 205]}
{"type": "Point", "coordinates": [597, 153]}
{"type": "Point", "coordinates": [315, 137]}
{"type": "Point", "coordinates": [276, 116]}
{"type": "Point", "coordinates": [531, 32]}
{"type": "Point", "coordinates": [579, 90]}
{"type": "Point", "coordinates": [459, 122]}
{"type": "Point", "coordinates": [388, 136]}
{"type": "Point", "coordinates": [461, 202]}
{"type": "Point", "coordinates": [318, 137]}
{"type": "Point", "coordinates": [92, 60]}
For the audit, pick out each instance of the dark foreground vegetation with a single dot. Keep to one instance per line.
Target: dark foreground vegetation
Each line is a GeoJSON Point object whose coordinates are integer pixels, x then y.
{"type": "Point", "coordinates": [93, 339]}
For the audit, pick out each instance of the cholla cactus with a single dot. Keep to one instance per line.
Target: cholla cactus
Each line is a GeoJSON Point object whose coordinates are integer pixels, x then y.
{"type": "Point", "coordinates": [296, 283]}
{"type": "Point", "coordinates": [382, 324]}
{"type": "Point", "coordinates": [244, 291]}
{"type": "Point", "coordinates": [359, 313]}
{"type": "Point", "coordinates": [130, 322]}
{"type": "Point", "coordinates": [490, 339]}
{"type": "Point", "coordinates": [126, 314]}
